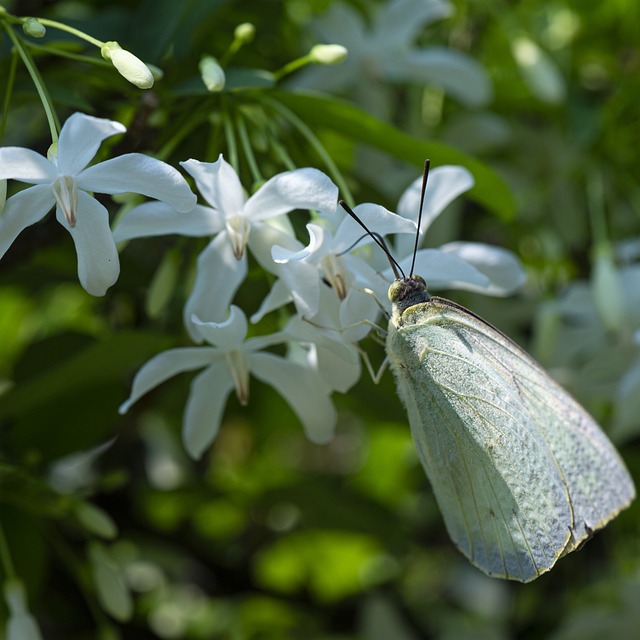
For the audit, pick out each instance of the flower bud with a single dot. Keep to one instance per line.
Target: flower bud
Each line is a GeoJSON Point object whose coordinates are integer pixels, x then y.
{"type": "Point", "coordinates": [34, 28]}
{"type": "Point", "coordinates": [328, 54]}
{"type": "Point", "coordinates": [21, 625]}
{"type": "Point", "coordinates": [244, 32]}
{"type": "Point", "coordinates": [212, 74]}
{"type": "Point", "coordinates": [128, 65]}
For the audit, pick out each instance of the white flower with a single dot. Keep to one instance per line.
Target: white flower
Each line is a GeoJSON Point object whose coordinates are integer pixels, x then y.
{"type": "Point", "coordinates": [456, 265]}
{"type": "Point", "coordinates": [328, 262]}
{"type": "Point", "coordinates": [21, 625]}
{"type": "Point", "coordinates": [228, 363]}
{"type": "Point", "coordinates": [65, 181]}
{"type": "Point", "coordinates": [383, 53]}
{"type": "Point", "coordinates": [236, 221]}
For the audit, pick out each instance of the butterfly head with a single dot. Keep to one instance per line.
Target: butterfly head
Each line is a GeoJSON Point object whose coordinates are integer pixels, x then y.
{"type": "Point", "coordinates": [407, 292]}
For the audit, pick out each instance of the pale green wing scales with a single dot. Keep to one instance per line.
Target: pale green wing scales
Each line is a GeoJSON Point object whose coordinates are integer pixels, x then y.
{"type": "Point", "coordinates": [522, 474]}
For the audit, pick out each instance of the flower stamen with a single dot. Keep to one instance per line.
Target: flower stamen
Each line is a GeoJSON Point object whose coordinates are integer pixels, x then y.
{"type": "Point", "coordinates": [238, 364]}
{"type": "Point", "coordinates": [66, 195]}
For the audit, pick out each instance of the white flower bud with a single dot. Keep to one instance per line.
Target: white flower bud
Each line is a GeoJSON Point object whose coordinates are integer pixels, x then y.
{"type": "Point", "coordinates": [21, 625]}
{"type": "Point", "coordinates": [34, 28]}
{"type": "Point", "coordinates": [244, 32]}
{"type": "Point", "coordinates": [328, 54]}
{"type": "Point", "coordinates": [128, 65]}
{"type": "Point", "coordinates": [212, 74]}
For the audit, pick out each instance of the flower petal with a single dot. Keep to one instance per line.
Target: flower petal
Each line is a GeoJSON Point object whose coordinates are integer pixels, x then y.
{"type": "Point", "coordinates": [26, 165]}
{"type": "Point", "coordinates": [98, 262]}
{"type": "Point", "coordinates": [399, 22]}
{"type": "Point", "coordinates": [458, 74]}
{"type": "Point", "coordinates": [282, 255]}
{"type": "Point", "coordinates": [501, 267]}
{"type": "Point", "coordinates": [276, 298]}
{"type": "Point", "coordinates": [444, 185]}
{"type": "Point", "coordinates": [160, 218]}
{"type": "Point", "coordinates": [228, 333]}
{"type": "Point", "coordinates": [377, 218]}
{"type": "Point", "coordinates": [298, 189]}
{"type": "Point", "coordinates": [219, 185]}
{"type": "Point", "coordinates": [444, 270]}
{"type": "Point", "coordinates": [165, 365]}
{"type": "Point", "coordinates": [266, 235]}
{"type": "Point", "coordinates": [142, 174]}
{"type": "Point", "coordinates": [298, 385]}
{"type": "Point", "coordinates": [80, 138]}
{"type": "Point", "coordinates": [218, 277]}
{"type": "Point", "coordinates": [22, 210]}
{"type": "Point", "coordinates": [205, 406]}
{"type": "Point", "coordinates": [302, 279]}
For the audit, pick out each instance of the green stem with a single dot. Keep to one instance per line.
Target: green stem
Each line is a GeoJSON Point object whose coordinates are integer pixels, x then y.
{"type": "Point", "coordinates": [76, 57]}
{"type": "Point", "coordinates": [5, 556]}
{"type": "Point", "coordinates": [47, 103]}
{"type": "Point", "coordinates": [13, 64]}
{"type": "Point", "coordinates": [248, 151]}
{"type": "Point", "coordinates": [232, 144]}
{"type": "Point", "coordinates": [65, 27]}
{"type": "Point", "coordinates": [292, 66]}
{"type": "Point", "coordinates": [313, 140]}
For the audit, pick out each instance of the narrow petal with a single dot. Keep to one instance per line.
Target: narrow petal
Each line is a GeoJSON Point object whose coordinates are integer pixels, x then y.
{"type": "Point", "coordinates": [98, 262]}
{"type": "Point", "coordinates": [501, 267]}
{"type": "Point", "coordinates": [219, 185]}
{"type": "Point", "coordinates": [399, 22]}
{"type": "Point", "coordinates": [377, 218]}
{"type": "Point", "coordinates": [265, 236]}
{"type": "Point", "coordinates": [203, 413]}
{"type": "Point", "coordinates": [218, 277]}
{"type": "Point", "coordinates": [342, 24]}
{"type": "Point", "coordinates": [160, 219]}
{"type": "Point", "coordinates": [276, 298]}
{"type": "Point", "coordinates": [302, 279]}
{"type": "Point", "coordinates": [22, 210]}
{"type": "Point", "coordinates": [298, 385]}
{"type": "Point", "coordinates": [142, 174]}
{"type": "Point", "coordinates": [80, 138]}
{"type": "Point", "coordinates": [229, 333]}
{"type": "Point", "coordinates": [444, 270]}
{"type": "Point", "coordinates": [458, 74]}
{"type": "Point", "coordinates": [282, 255]}
{"type": "Point", "coordinates": [165, 365]}
{"type": "Point", "coordinates": [444, 185]}
{"type": "Point", "coordinates": [298, 189]}
{"type": "Point", "coordinates": [26, 165]}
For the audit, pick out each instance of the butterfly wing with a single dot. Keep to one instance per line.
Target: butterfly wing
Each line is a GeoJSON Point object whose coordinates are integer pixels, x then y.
{"type": "Point", "coordinates": [522, 474]}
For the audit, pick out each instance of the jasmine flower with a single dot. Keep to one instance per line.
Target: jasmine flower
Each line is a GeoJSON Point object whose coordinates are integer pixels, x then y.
{"type": "Point", "coordinates": [64, 180]}
{"type": "Point", "coordinates": [227, 364]}
{"type": "Point", "coordinates": [236, 222]}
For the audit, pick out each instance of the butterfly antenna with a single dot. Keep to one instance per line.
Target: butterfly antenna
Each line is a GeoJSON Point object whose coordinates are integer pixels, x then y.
{"type": "Point", "coordinates": [425, 175]}
{"type": "Point", "coordinates": [397, 269]}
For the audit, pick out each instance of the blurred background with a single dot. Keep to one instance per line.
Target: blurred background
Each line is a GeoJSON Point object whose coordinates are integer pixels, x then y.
{"type": "Point", "coordinates": [113, 530]}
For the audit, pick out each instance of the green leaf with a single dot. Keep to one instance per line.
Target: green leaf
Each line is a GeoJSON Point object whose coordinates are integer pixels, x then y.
{"type": "Point", "coordinates": [490, 189]}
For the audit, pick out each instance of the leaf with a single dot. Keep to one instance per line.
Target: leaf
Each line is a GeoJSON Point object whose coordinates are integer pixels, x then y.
{"type": "Point", "coordinates": [490, 189]}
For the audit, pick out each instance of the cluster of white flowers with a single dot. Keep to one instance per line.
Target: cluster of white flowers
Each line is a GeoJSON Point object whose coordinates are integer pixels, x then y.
{"type": "Point", "coordinates": [336, 283]}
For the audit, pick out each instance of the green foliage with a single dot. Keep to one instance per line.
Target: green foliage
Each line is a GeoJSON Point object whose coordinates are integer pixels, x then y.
{"type": "Point", "coordinates": [111, 527]}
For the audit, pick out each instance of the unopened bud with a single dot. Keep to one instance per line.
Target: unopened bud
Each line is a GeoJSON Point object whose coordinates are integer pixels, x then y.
{"type": "Point", "coordinates": [212, 74]}
{"type": "Point", "coordinates": [128, 65]}
{"type": "Point", "coordinates": [34, 28]}
{"type": "Point", "coordinates": [328, 54]}
{"type": "Point", "coordinates": [244, 32]}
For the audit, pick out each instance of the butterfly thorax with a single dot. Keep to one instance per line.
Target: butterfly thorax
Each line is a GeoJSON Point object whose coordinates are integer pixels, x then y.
{"type": "Point", "coordinates": [405, 293]}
